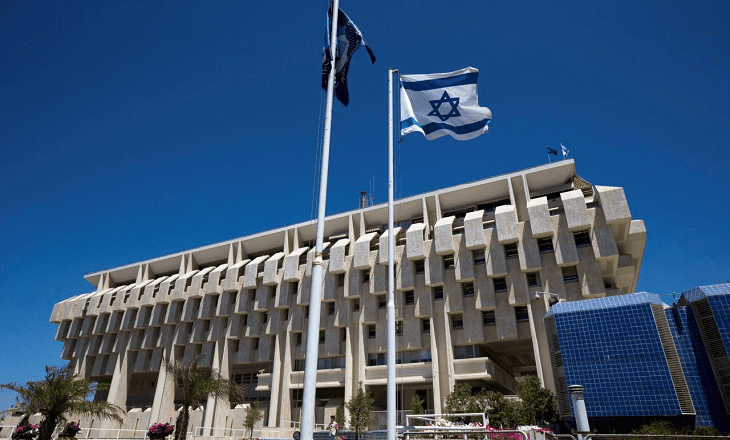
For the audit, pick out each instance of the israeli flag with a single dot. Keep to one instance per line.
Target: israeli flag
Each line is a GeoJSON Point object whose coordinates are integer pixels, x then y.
{"type": "Point", "coordinates": [443, 104]}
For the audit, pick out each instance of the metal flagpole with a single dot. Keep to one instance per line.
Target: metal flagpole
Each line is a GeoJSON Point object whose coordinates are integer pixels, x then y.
{"type": "Point", "coordinates": [315, 299]}
{"type": "Point", "coordinates": [391, 267]}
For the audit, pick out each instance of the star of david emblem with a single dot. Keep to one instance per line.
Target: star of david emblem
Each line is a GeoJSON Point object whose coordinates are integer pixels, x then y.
{"type": "Point", "coordinates": [445, 99]}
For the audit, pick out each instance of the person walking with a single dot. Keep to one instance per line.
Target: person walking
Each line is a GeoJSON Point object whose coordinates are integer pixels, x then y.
{"type": "Point", "coordinates": [332, 427]}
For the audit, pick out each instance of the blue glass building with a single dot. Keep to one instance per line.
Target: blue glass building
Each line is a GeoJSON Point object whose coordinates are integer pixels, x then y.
{"type": "Point", "coordinates": [710, 306]}
{"type": "Point", "coordinates": [638, 359]}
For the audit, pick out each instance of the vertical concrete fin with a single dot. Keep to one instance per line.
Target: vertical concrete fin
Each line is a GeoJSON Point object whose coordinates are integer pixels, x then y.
{"type": "Point", "coordinates": [437, 200]}
{"type": "Point", "coordinates": [103, 282]}
{"type": "Point", "coordinates": [425, 218]}
{"type": "Point", "coordinates": [231, 254]}
{"type": "Point", "coordinates": [192, 264]}
{"type": "Point", "coordinates": [351, 230]}
{"type": "Point", "coordinates": [297, 240]}
{"type": "Point", "coordinates": [362, 223]}
{"type": "Point", "coordinates": [183, 266]}
{"type": "Point", "coordinates": [140, 274]}
{"type": "Point", "coordinates": [285, 247]}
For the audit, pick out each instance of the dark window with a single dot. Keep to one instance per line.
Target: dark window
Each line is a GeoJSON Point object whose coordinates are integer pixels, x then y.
{"type": "Point", "coordinates": [331, 308]}
{"type": "Point", "coordinates": [340, 279]}
{"type": "Point", "coordinates": [500, 284]}
{"type": "Point", "coordinates": [457, 321]}
{"type": "Point", "coordinates": [521, 313]}
{"type": "Point", "coordinates": [255, 343]}
{"type": "Point", "coordinates": [426, 325]}
{"type": "Point", "coordinates": [376, 359]}
{"type": "Point", "coordinates": [399, 328]}
{"type": "Point", "coordinates": [468, 352]}
{"type": "Point", "coordinates": [371, 331]}
{"type": "Point", "coordinates": [299, 339]}
{"type": "Point", "coordinates": [468, 289]}
{"type": "Point", "coordinates": [266, 317]}
{"type": "Point", "coordinates": [343, 334]}
{"type": "Point", "coordinates": [272, 291]}
{"type": "Point", "coordinates": [306, 312]}
{"type": "Point", "coordinates": [420, 266]}
{"type": "Point", "coordinates": [438, 292]}
{"type": "Point", "coordinates": [510, 250]}
{"type": "Point", "coordinates": [366, 276]}
{"type": "Point", "coordinates": [479, 256]}
{"type": "Point", "coordinates": [321, 336]}
{"type": "Point", "coordinates": [449, 261]}
{"type": "Point", "coordinates": [410, 298]}
{"type": "Point", "coordinates": [330, 363]}
{"type": "Point", "coordinates": [488, 318]}
{"type": "Point", "coordinates": [381, 301]}
{"type": "Point", "coordinates": [293, 287]}
{"type": "Point", "coordinates": [570, 274]}
{"type": "Point", "coordinates": [545, 244]}
{"type": "Point", "coordinates": [244, 320]}
{"type": "Point", "coordinates": [533, 279]}
{"type": "Point", "coordinates": [356, 304]}
{"type": "Point", "coordinates": [582, 238]}
{"type": "Point", "coordinates": [298, 366]}
{"type": "Point", "coordinates": [286, 314]}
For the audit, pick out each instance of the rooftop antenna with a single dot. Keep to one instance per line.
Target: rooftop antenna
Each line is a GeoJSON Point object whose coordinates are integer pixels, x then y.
{"type": "Point", "coordinates": [363, 199]}
{"type": "Point", "coordinates": [372, 190]}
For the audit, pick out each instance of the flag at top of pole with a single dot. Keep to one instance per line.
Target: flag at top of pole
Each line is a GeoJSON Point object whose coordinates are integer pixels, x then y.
{"type": "Point", "coordinates": [442, 104]}
{"type": "Point", "coordinates": [349, 39]}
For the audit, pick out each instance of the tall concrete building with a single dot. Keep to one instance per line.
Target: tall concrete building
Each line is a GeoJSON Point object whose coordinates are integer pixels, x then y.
{"type": "Point", "coordinates": [477, 266]}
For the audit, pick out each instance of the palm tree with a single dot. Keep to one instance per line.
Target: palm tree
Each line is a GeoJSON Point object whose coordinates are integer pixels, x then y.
{"type": "Point", "coordinates": [62, 394]}
{"type": "Point", "coordinates": [194, 383]}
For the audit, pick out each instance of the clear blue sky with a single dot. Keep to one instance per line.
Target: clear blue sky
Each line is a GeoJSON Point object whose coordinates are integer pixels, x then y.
{"type": "Point", "coordinates": [135, 129]}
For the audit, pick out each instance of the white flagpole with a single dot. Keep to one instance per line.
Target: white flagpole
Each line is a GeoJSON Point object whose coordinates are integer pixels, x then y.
{"type": "Point", "coordinates": [315, 298]}
{"type": "Point", "coordinates": [391, 272]}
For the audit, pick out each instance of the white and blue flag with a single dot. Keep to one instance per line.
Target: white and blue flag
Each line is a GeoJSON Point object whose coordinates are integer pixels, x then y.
{"type": "Point", "coordinates": [443, 104]}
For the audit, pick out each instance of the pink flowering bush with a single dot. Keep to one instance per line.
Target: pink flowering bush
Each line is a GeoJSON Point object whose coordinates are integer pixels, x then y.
{"type": "Point", "coordinates": [160, 430]}
{"type": "Point", "coordinates": [71, 429]}
{"type": "Point", "coordinates": [27, 431]}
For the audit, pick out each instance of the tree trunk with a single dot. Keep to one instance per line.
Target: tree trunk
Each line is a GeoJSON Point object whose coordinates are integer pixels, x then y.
{"type": "Point", "coordinates": [45, 430]}
{"type": "Point", "coordinates": [181, 425]}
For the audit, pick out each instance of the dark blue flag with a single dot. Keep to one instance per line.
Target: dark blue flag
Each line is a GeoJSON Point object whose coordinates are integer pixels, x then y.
{"type": "Point", "coordinates": [349, 38]}
{"type": "Point", "coordinates": [551, 151]}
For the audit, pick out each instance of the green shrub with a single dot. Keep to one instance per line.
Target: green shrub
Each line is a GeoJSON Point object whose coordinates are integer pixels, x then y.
{"type": "Point", "coordinates": [659, 427]}
{"type": "Point", "coordinates": [707, 430]}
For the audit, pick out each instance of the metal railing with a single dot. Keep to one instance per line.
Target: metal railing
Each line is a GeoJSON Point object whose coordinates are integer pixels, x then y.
{"type": "Point", "coordinates": [298, 425]}
{"type": "Point", "coordinates": [651, 437]}
{"type": "Point", "coordinates": [204, 431]}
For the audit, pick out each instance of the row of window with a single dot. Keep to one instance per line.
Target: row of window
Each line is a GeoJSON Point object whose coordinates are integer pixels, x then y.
{"type": "Point", "coordinates": [401, 357]}
{"type": "Point", "coordinates": [244, 378]}
{"type": "Point", "coordinates": [329, 363]}
{"type": "Point", "coordinates": [545, 244]}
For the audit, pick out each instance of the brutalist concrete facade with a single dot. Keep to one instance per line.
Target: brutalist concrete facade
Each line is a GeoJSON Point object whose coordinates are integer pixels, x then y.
{"type": "Point", "coordinates": [476, 267]}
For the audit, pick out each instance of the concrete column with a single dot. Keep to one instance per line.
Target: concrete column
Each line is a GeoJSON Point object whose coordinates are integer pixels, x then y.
{"type": "Point", "coordinates": [285, 380]}
{"type": "Point", "coordinates": [163, 406]}
{"type": "Point", "coordinates": [223, 409]}
{"type": "Point", "coordinates": [537, 309]}
{"type": "Point", "coordinates": [276, 374]}
{"type": "Point", "coordinates": [120, 382]}
{"type": "Point", "coordinates": [210, 406]}
{"type": "Point", "coordinates": [435, 370]}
